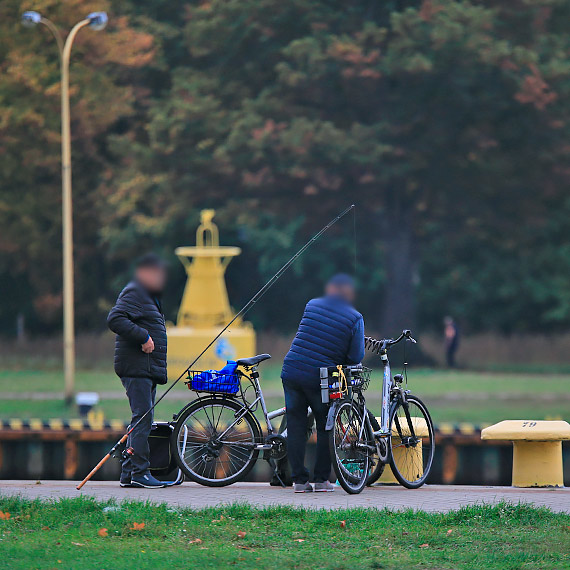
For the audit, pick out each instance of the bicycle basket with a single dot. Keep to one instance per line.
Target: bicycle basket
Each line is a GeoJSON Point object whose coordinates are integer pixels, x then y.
{"type": "Point", "coordinates": [225, 381]}
{"type": "Point", "coordinates": [360, 379]}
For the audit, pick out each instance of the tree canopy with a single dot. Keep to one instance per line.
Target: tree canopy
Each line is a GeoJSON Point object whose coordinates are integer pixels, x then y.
{"type": "Point", "coordinates": [445, 122]}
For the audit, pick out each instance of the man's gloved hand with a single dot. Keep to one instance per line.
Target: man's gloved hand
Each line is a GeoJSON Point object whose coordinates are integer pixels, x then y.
{"type": "Point", "coordinates": [148, 346]}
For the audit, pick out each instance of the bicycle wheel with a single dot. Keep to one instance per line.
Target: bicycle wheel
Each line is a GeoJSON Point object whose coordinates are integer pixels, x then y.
{"type": "Point", "coordinates": [214, 442]}
{"type": "Point", "coordinates": [349, 443]}
{"type": "Point", "coordinates": [376, 466]}
{"type": "Point", "coordinates": [413, 443]}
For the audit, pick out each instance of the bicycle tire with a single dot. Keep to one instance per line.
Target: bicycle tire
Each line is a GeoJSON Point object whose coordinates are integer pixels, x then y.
{"type": "Point", "coordinates": [405, 462]}
{"type": "Point", "coordinates": [346, 414]}
{"type": "Point", "coordinates": [248, 463]}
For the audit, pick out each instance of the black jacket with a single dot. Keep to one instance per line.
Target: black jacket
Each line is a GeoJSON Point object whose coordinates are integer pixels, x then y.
{"type": "Point", "coordinates": [136, 315]}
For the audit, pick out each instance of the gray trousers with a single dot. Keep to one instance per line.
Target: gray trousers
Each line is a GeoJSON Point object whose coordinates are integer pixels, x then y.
{"type": "Point", "coordinates": [141, 393]}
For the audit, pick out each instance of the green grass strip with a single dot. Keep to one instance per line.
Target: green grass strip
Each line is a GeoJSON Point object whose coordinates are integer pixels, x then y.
{"type": "Point", "coordinates": [83, 533]}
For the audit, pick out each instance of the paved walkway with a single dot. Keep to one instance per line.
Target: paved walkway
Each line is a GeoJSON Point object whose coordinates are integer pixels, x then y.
{"type": "Point", "coordinates": [431, 498]}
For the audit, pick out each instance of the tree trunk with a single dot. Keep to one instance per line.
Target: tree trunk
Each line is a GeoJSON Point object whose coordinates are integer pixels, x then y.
{"type": "Point", "coordinates": [398, 307]}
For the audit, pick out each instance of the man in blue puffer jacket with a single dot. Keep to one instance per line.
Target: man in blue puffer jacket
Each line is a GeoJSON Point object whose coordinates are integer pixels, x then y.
{"type": "Point", "coordinates": [331, 332]}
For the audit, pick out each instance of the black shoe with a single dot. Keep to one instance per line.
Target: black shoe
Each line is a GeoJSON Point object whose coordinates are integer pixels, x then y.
{"type": "Point", "coordinates": [147, 481]}
{"type": "Point", "coordinates": [125, 481]}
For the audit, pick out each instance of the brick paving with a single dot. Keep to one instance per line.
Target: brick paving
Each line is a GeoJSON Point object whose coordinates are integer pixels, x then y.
{"type": "Point", "coordinates": [431, 498]}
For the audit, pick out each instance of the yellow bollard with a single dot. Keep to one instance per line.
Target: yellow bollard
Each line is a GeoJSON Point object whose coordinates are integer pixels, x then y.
{"type": "Point", "coordinates": [537, 450]}
{"type": "Point", "coordinates": [409, 457]}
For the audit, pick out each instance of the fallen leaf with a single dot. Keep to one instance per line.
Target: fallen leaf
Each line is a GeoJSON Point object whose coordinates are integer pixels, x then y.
{"type": "Point", "coordinates": [137, 526]}
{"type": "Point", "coordinates": [405, 532]}
{"type": "Point", "coordinates": [103, 532]}
{"type": "Point", "coordinates": [5, 516]}
{"type": "Point", "coordinates": [245, 547]}
{"type": "Point", "coordinates": [241, 534]}
{"type": "Point", "coordinates": [219, 520]}
{"type": "Point", "coordinates": [342, 524]}
{"type": "Point", "coordinates": [78, 544]}
{"type": "Point", "coordinates": [449, 532]}
{"type": "Point", "coordinates": [45, 527]}
{"type": "Point", "coordinates": [425, 545]}
{"type": "Point", "coordinates": [299, 540]}
{"type": "Point", "coordinates": [195, 541]}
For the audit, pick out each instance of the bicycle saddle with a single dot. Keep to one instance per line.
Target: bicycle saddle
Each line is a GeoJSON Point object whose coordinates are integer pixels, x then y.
{"type": "Point", "coordinates": [253, 360]}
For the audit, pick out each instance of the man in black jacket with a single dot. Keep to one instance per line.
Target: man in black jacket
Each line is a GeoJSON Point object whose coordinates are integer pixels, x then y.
{"type": "Point", "coordinates": [140, 360]}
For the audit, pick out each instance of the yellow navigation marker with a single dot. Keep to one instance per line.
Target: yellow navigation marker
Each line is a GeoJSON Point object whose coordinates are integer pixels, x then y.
{"type": "Point", "coordinates": [537, 450]}
{"type": "Point", "coordinates": [205, 306]}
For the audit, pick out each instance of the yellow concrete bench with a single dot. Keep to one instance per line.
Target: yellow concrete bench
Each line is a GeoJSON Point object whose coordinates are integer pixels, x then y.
{"type": "Point", "coordinates": [400, 453]}
{"type": "Point", "coordinates": [537, 450]}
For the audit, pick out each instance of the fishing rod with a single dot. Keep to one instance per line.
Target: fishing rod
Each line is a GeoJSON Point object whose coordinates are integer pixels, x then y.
{"type": "Point", "coordinates": [245, 309]}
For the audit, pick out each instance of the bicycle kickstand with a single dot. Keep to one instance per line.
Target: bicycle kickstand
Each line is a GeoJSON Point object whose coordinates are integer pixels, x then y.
{"type": "Point", "coordinates": [275, 468]}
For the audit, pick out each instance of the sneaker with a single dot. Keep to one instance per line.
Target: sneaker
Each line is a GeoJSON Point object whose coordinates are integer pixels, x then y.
{"type": "Point", "coordinates": [326, 487]}
{"type": "Point", "coordinates": [147, 481]}
{"type": "Point", "coordinates": [302, 488]}
{"type": "Point", "coordinates": [125, 481]}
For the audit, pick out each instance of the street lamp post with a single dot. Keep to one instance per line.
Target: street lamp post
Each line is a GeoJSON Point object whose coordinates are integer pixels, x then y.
{"type": "Point", "coordinates": [97, 21]}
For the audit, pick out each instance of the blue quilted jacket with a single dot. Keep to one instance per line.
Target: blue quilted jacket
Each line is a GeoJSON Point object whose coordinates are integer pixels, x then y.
{"type": "Point", "coordinates": [331, 332]}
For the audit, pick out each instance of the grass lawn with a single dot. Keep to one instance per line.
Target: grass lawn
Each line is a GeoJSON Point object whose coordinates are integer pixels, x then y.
{"type": "Point", "coordinates": [84, 534]}
{"type": "Point", "coordinates": [525, 394]}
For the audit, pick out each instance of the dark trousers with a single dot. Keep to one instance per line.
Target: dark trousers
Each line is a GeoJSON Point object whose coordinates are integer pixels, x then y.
{"type": "Point", "coordinates": [141, 393]}
{"type": "Point", "coordinates": [450, 355]}
{"type": "Point", "coordinates": [298, 399]}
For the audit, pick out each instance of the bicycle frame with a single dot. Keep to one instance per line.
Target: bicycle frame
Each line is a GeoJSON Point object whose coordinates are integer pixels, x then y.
{"type": "Point", "coordinates": [387, 384]}
{"type": "Point", "coordinates": [249, 407]}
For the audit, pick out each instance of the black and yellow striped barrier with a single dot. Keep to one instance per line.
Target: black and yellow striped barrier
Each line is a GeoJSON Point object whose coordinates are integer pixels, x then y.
{"type": "Point", "coordinates": [97, 423]}
{"type": "Point", "coordinates": [58, 424]}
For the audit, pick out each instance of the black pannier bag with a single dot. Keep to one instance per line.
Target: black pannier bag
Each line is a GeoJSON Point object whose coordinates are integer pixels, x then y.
{"type": "Point", "coordinates": [162, 463]}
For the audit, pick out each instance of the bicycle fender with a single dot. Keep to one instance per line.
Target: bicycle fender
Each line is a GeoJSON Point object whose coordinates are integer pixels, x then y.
{"type": "Point", "coordinates": [330, 416]}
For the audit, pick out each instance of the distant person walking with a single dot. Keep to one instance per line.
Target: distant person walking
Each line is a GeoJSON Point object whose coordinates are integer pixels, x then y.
{"type": "Point", "coordinates": [140, 360]}
{"type": "Point", "coordinates": [331, 332]}
{"type": "Point", "coordinates": [451, 335]}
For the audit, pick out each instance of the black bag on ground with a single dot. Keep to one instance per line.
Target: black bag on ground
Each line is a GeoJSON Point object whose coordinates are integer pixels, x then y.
{"type": "Point", "coordinates": [162, 463]}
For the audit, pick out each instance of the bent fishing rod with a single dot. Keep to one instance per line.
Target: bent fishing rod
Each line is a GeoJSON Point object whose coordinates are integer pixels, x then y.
{"type": "Point", "coordinates": [245, 309]}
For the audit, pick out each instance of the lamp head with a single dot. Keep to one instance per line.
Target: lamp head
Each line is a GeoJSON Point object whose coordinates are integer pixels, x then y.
{"type": "Point", "coordinates": [98, 20]}
{"type": "Point", "coordinates": [31, 18]}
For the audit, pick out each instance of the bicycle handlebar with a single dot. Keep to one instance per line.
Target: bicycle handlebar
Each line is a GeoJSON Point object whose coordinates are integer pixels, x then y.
{"type": "Point", "coordinates": [378, 346]}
